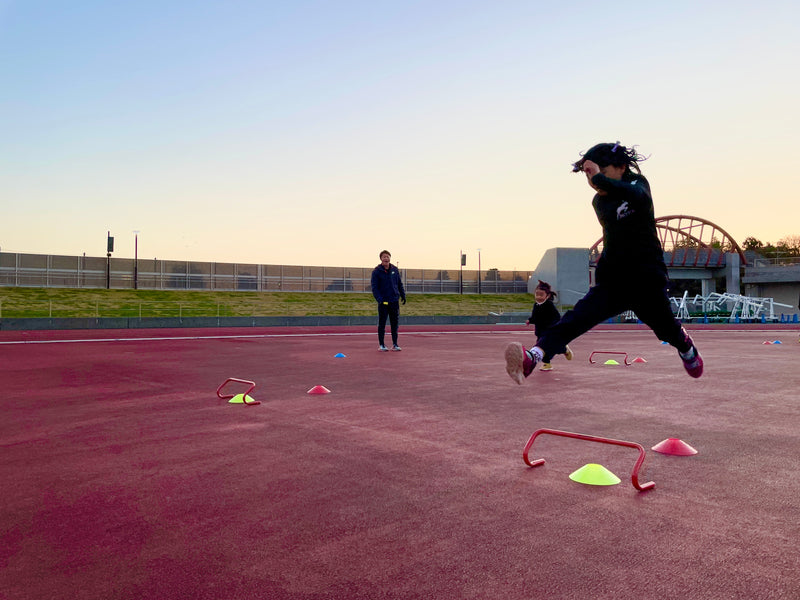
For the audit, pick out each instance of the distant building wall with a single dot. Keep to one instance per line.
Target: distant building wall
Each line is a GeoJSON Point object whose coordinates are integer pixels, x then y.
{"type": "Point", "coordinates": [781, 282]}
{"type": "Point", "coordinates": [567, 271]}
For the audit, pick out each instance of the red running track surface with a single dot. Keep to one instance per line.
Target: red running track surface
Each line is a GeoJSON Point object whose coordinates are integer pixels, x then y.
{"type": "Point", "coordinates": [124, 476]}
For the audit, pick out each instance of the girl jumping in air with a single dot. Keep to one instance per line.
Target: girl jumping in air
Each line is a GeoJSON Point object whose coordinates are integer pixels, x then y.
{"type": "Point", "coordinates": [543, 316]}
{"type": "Point", "coordinates": [631, 273]}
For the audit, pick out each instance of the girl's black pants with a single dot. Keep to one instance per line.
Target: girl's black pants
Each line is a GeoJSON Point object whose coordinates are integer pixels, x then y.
{"type": "Point", "coordinates": [650, 303]}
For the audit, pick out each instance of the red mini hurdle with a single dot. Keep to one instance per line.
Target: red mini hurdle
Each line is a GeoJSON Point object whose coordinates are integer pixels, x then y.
{"type": "Point", "coordinates": [627, 362]}
{"type": "Point", "coordinates": [244, 395]}
{"type": "Point", "coordinates": [592, 438]}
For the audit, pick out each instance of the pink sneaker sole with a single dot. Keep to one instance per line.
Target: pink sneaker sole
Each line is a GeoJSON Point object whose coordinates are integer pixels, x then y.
{"type": "Point", "coordinates": [515, 358]}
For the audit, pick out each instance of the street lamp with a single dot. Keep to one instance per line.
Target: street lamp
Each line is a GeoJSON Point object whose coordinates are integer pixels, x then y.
{"type": "Point", "coordinates": [461, 272]}
{"type": "Point", "coordinates": [479, 270]}
{"type": "Point", "coordinates": [109, 250]}
{"type": "Point", "coordinates": [136, 259]}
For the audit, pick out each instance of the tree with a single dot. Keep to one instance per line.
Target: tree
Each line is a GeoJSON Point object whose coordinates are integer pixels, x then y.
{"type": "Point", "coordinates": [685, 242]}
{"type": "Point", "coordinates": [787, 247]}
{"type": "Point", "coordinates": [719, 245]}
{"type": "Point", "coordinates": [752, 243]}
{"type": "Point", "coordinates": [791, 243]}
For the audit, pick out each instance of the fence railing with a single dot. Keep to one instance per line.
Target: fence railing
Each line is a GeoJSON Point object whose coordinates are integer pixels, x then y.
{"type": "Point", "coordinates": [40, 270]}
{"type": "Point", "coordinates": [773, 262]}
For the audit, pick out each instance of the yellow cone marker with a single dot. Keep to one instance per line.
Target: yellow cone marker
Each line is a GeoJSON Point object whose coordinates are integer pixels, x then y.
{"type": "Point", "coordinates": [241, 399]}
{"type": "Point", "coordinates": [593, 474]}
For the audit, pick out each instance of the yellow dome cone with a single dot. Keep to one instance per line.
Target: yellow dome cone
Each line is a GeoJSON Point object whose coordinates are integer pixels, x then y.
{"type": "Point", "coordinates": [611, 361]}
{"type": "Point", "coordinates": [242, 399]}
{"type": "Point", "coordinates": [593, 474]}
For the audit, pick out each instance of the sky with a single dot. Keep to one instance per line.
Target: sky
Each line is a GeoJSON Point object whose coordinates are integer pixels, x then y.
{"type": "Point", "coordinates": [320, 133]}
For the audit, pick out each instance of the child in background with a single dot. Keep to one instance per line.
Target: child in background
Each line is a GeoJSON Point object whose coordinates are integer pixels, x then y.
{"type": "Point", "coordinates": [630, 274]}
{"type": "Point", "coordinates": [543, 316]}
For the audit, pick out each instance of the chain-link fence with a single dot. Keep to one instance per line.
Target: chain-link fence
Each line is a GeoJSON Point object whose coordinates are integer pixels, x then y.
{"type": "Point", "coordinates": [44, 270]}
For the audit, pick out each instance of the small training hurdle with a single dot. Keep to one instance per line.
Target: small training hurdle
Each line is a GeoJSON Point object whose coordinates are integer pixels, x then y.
{"type": "Point", "coordinates": [244, 395]}
{"type": "Point", "coordinates": [627, 362]}
{"type": "Point", "coordinates": [591, 438]}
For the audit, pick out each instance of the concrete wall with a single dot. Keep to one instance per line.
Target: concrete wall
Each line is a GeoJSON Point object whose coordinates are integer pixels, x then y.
{"type": "Point", "coordinates": [784, 293]}
{"type": "Point", "coordinates": [567, 270]}
{"type": "Point", "coordinates": [779, 282]}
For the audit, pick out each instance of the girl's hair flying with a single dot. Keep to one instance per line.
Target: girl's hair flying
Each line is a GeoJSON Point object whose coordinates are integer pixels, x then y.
{"type": "Point", "coordinates": [606, 154]}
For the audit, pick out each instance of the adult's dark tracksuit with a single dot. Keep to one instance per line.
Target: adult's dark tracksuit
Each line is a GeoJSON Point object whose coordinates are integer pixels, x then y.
{"type": "Point", "coordinates": [630, 274]}
{"type": "Point", "coordinates": [388, 290]}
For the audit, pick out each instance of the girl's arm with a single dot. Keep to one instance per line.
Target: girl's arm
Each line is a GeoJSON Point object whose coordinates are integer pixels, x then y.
{"type": "Point", "coordinates": [633, 190]}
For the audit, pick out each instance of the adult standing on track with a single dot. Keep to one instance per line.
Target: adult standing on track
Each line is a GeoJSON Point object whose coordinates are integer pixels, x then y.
{"type": "Point", "coordinates": [387, 287]}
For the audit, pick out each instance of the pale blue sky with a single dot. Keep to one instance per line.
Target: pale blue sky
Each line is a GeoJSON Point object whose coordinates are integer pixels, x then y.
{"type": "Point", "coordinates": [322, 132]}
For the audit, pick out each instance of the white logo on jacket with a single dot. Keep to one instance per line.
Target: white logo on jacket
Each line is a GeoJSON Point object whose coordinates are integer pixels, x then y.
{"type": "Point", "coordinates": [623, 210]}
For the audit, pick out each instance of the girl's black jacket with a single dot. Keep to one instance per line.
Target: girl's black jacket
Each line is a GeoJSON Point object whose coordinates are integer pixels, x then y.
{"type": "Point", "coordinates": [631, 248]}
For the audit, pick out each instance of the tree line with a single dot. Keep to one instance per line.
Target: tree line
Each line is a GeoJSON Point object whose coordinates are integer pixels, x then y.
{"type": "Point", "coordinates": [787, 247]}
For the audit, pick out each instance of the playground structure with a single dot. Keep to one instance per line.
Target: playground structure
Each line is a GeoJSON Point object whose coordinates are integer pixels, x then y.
{"type": "Point", "coordinates": [742, 308]}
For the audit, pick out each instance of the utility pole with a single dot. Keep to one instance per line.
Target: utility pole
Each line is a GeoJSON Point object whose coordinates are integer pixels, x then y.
{"type": "Point", "coordinates": [109, 250]}
{"type": "Point", "coordinates": [479, 270]}
{"type": "Point", "coordinates": [136, 259]}
{"type": "Point", "coordinates": [461, 272]}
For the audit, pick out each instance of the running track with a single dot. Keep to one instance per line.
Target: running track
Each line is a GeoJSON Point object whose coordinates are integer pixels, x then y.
{"type": "Point", "coordinates": [123, 476]}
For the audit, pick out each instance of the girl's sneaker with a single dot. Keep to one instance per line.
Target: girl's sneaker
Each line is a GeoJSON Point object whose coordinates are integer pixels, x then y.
{"type": "Point", "coordinates": [519, 362]}
{"type": "Point", "coordinates": [382, 348]}
{"type": "Point", "coordinates": [692, 361]}
{"type": "Point", "coordinates": [546, 367]}
{"type": "Point", "coordinates": [569, 354]}
{"type": "Point", "coordinates": [693, 365]}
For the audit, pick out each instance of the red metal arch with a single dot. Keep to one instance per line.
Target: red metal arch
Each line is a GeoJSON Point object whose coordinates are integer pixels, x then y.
{"type": "Point", "coordinates": [689, 241]}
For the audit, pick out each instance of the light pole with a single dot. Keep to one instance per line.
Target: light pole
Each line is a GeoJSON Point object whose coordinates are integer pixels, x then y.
{"type": "Point", "coordinates": [479, 270]}
{"type": "Point", "coordinates": [461, 271]}
{"type": "Point", "coordinates": [109, 250]}
{"type": "Point", "coordinates": [136, 259]}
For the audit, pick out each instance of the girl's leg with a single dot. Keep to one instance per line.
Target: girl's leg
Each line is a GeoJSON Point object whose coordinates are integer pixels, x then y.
{"type": "Point", "coordinates": [548, 356]}
{"type": "Point", "coordinates": [599, 304]}
{"type": "Point", "coordinates": [596, 306]}
{"type": "Point", "coordinates": [654, 310]}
